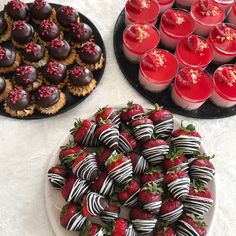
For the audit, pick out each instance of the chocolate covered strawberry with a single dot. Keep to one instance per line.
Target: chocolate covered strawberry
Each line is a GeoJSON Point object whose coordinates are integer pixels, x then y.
{"type": "Point", "coordinates": [122, 227]}
{"type": "Point", "coordinates": [201, 168]}
{"type": "Point", "coordinates": [140, 165]}
{"type": "Point", "coordinates": [165, 231]}
{"type": "Point", "coordinates": [131, 112]}
{"type": "Point", "coordinates": [128, 196]}
{"type": "Point", "coordinates": [150, 197]}
{"type": "Point", "coordinates": [74, 189]}
{"type": "Point", "coordinates": [186, 138]}
{"type": "Point", "coordinates": [163, 122]}
{"type": "Point", "coordinates": [92, 229]}
{"type": "Point", "coordinates": [57, 176]}
{"type": "Point", "coordinates": [108, 134]}
{"type": "Point", "coordinates": [108, 113]}
{"type": "Point", "coordinates": [191, 225]}
{"type": "Point", "coordinates": [155, 150]}
{"type": "Point", "coordinates": [153, 174]}
{"type": "Point", "coordinates": [127, 143]}
{"type": "Point", "coordinates": [71, 217]}
{"type": "Point", "coordinates": [199, 199]}
{"type": "Point", "coordinates": [102, 155]}
{"type": "Point", "coordinates": [119, 167]}
{"type": "Point", "coordinates": [110, 213]}
{"type": "Point", "coordinates": [171, 210]}
{"type": "Point", "coordinates": [84, 133]}
{"type": "Point", "coordinates": [178, 183]}
{"type": "Point", "coordinates": [143, 221]}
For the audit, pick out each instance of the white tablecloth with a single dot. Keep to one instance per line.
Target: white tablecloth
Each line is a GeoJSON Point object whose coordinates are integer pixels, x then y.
{"type": "Point", "coordinates": [26, 146]}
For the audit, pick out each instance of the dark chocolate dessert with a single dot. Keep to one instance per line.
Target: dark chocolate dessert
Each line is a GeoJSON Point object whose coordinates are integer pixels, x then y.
{"type": "Point", "coordinates": [7, 57]}
{"type": "Point", "coordinates": [33, 52]}
{"type": "Point", "coordinates": [17, 10]}
{"type": "Point", "coordinates": [2, 84]}
{"type": "Point", "coordinates": [80, 32]}
{"type": "Point", "coordinates": [40, 10]}
{"type": "Point", "coordinates": [80, 76]}
{"type": "Point", "coordinates": [3, 26]}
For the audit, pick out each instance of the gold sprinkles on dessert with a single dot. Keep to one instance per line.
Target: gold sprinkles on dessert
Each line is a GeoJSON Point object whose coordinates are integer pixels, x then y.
{"type": "Point", "coordinates": [194, 75]}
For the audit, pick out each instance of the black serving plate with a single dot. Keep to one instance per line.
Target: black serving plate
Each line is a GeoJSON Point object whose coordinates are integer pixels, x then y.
{"type": "Point", "coordinates": [130, 70]}
{"type": "Point", "coordinates": [72, 101]}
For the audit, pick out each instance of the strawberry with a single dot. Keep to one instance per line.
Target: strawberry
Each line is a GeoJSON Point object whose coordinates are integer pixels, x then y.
{"type": "Point", "coordinates": [110, 213]}
{"type": "Point", "coordinates": [131, 112]}
{"type": "Point", "coordinates": [74, 189]}
{"type": "Point", "coordinates": [165, 231]}
{"type": "Point", "coordinates": [139, 164]}
{"type": "Point", "coordinates": [127, 143]}
{"type": "Point", "coordinates": [136, 4]}
{"type": "Point", "coordinates": [108, 113]}
{"type": "Point", "coordinates": [178, 183]}
{"type": "Point", "coordinates": [153, 174]}
{"type": "Point", "coordinates": [170, 17]}
{"type": "Point", "coordinates": [191, 225]}
{"type": "Point", "coordinates": [92, 229]}
{"type": "Point", "coordinates": [121, 227]}
{"type": "Point", "coordinates": [193, 42]}
{"type": "Point", "coordinates": [206, 6]}
{"type": "Point", "coordinates": [163, 122]}
{"type": "Point", "coordinates": [155, 150]}
{"type": "Point", "coordinates": [71, 218]}
{"type": "Point", "coordinates": [108, 134]}
{"type": "Point", "coordinates": [84, 133]}
{"type": "Point", "coordinates": [171, 210]}
{"type": "Point", "coordinates": [119, 167]}
{"type": "Point", "coordinates": [128, 196]}
{"type": "Point", "coordinates": [102, 155]}
{"type": "Point", "coordinates": [57, 176]}
{"type": "Point", "coordinates": [150, 197]}
{"type": "Point", "coordinates": [186, 131]}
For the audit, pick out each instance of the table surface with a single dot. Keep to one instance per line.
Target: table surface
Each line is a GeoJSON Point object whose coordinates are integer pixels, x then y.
{"type": "Point", "coordinates": [26, 146]}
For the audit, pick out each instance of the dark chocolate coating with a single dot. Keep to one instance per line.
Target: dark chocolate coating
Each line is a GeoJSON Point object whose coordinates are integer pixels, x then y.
{"type": "Point", "coordinates": [23, 77]}
{"type": "Point", "coordinates": [21, 102]}
{"type": "Point", "coordinates": [2, 84]}
{"type": "Point", "coordinates": [65, 20]}
{"type": "Point", "coordinates": [35, 56]}
{"type": "Point", "coordinates": [55, 78]}
{"type": "Point", "coordinates": [41, 13]}
{"type": "Point", "coordinates": [82, 80]}
{"type": "Point", "coordinates": [49, 101]}
{"type": "Point", "coordinates": [90, 58]}
{"type": "Point", "coordinates": [3, 26]}
{"type": "Point", "coordinates": [60, 53]}
{"type": "Point", "coordinates": [23, 36]}
{"type": "Point", "coordinates": [8, 59]}
{"type": "Point", "coordinates": [17, 14]}
{"type": "Point", "coordinates": [80, 33]}
{"type": "Point", "coordinates": [52, 33]}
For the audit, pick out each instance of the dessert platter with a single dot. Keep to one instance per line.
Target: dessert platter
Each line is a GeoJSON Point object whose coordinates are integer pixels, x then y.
{"type": "Point", "coordinates": [180, 54]}
{"type": "Point", "coordinates": [51, 58]}
{"type": "Point", "coordinates": [129, 172]}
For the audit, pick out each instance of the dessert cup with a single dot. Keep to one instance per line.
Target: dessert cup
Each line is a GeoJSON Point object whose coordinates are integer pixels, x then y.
{"type": "Point", "coordinates": [225, 4]}
{"type": "Point", "coordinates": [165, 5]}
{"type": "Point", "coordinates": [232, 15]}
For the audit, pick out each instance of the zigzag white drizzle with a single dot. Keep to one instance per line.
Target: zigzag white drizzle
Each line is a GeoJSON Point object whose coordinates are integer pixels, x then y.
{"type": "Point", "coordinates": [185, 229]}
{"type": "Point", "coordinates": [173, 216]}
{"type": "Point", "coordinates": [143, 131]}
{"type": "Point", "coordinates": [164, 129]}
{"type": "Point", "coordinates": [153, 207]}
{"type": "Point", "coordinates": [76, 222]}
{"type": "Point", "coordinates": [124, 146]}
{"type": "Point", "coordinates": [135, 117]}
{"type": "Point", "coordinates": [57, 180]}
{"type": "Point", "coordinates": [132, 200]}
{"type": "Point", "coordinates": [108, 216]}
{"type": "Point", "coordinates": [144, 226]}
{"type": "Point", "coordinates": [90, 140]}
{"type": "Point", "coordinates": [156, 155]}
{"type": "Point", "coordinates": [116, 119]}
{"type": "Point", "coordinates": [179, 188]}
{"type": "Point", "coordinates": [107, 188]}
{"type": "Point", "coordinates": [131, 231]}
{"type": "Point", "coordinates": [183, 166]}
{"type": "Point", "coordinates": [110, 137]}
{"type": "Point", "coordinates": [101, 232]}
{"type": "Point", "coordinates": [141, 166]}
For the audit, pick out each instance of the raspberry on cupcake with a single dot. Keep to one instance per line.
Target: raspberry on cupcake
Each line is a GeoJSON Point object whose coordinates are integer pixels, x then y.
{"type": "Point", "coordinates": [5, 30]}
{"type": "Point", "coordinates": [5, 88]}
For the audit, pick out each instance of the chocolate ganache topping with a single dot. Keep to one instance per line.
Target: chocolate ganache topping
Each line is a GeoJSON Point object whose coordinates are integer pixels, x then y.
{"type": "Point", "coordinates": [48, 30]}
{"type": "Point", "coordinates": [2, 84]}
{"type": "Point", "coordinates": [25, 75]}
{"type": "Point", "coordinates": [33, 52]}
{"type": "Point", "coordinates": [90, 53]}
{"type": "Point", "coordinates": [80, 32]}
{"type": "Point", "coordinates": [67, 15]}
{"type": "Point", "coordinates": [3, 26]}
{"type": "Point", "coordinates": [7, 57]}
{"type": "Point", "coordinates": [17, 10]}
{"type": "Point", "coordinates": [59, 49]}
{"type": "Point", "coordinates": [22, 32]}
{"type": "Point", "coordinates": [40, 10]}
{"type": "Point", "coordinates": [80, 76]}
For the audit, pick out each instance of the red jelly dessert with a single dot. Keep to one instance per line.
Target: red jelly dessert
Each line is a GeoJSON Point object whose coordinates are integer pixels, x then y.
{"type": "Point", "coordinates": [175, 25]}
{"type": "Point", "coordinates": [232, 15]}
{"type": "Point", "coordinates": [165, 4]}
{"type": "Point", "coordinates": [224, 79]}
{"type": "Point", "coordinates": [225, 4]}
{"type": "Point", "coordinates": [194, 51]}
{"type": "Point", "coordinates": [192, 87]}
{"type": "Point", "coordinates": [207, 14]}
{"type": "Point", "coordinates": [139, 39]}
{"type": "Point", "coordinates": [223, 39]}
{"type": "Point", "coordinates": [157, 70]}
{"type": "Point", "coordinates": [141, 12]}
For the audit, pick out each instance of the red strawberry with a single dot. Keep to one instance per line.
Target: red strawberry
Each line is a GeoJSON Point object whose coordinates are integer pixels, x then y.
{"type": "Point", "coordinates": [127, 143]}
{"type": "Point", "coordinates": [102, 156]}
{"type": "Point", "coordinates": [136, 4]}
{"type": "Point", "coordinates": [193, 42]}
{"type": "Point", "coordinates": [57, 176]}
{"type": "Point", "coordinates": [153, 174]}
{"type": "Point", "coordinates": [170, 17]}
{"type": "Point", "coordinates": [69, 215]}
{"type": "Point", "coordinates": [92, 229]}
{"type": "Point", "coordinates": [188, 130]}
{"type": "Point", "coordinates": [166, 231]}
{"type": "Point", "coordinates": [120, 227]}
{"type": "Point", "coordinates": [139, 164]}
{"type": "Point", "coordinates": [111, 212]}
{"type": "Point", "coordinates": [206, 5]}
{"type": "Point", "coordinates": [131, 112]}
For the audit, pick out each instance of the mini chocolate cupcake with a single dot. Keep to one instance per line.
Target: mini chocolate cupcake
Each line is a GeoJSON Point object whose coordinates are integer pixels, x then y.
{"type": "Point", "coordinates": [5, 30]}
{"type": "Point", "coordinates": [16, 10]}
{"type": "Point", "coordinates": [41, 10]}
{"type": "Point", "coordinates": [49, 100]}
{"type": "Point", "coordinates": [28, 78]}
{"type": "Point", "coordinates": [91, 56]}
{"type": "Point", "coordinates": [60, 50]}
{"type": "Point", "coordinates": [22, 33]}
{"type": "Point", "coordinates": [5, 88]}
{"type": "Point", "coordinates": [19, 103]}
{"type": "Point", "coordinates": [35, 55]}
{"type": "Point", "coordinates": [81, 81]}
{"type": "Point", "coordinates": [67, 15]}
{"type": "Point", "coordinates": [9, 60]}
{"type": "Point", "coordinates": [80, 33]}
{"type": "Point", "coordinates": [55, 73]}
{"type": "Point", "coordinates": [48, 30]}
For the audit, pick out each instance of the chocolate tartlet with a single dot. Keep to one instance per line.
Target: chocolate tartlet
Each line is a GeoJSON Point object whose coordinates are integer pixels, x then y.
{"type": "Point", "coordinates": [91, 56]}
{"type": "Point", "coordinates": [5, 30]}
{"type": "Point", "coordinates": [61, 50]}
{"type": "Point", "coordinates": [81, 81]}
{"type": "Point", "coordinates": [9, 60]}
{"type": "Point", "coordinates": [16, 10]}
{"type": "Point", "coordinates": [49, 100]}
{"type": "Point", "coordinates": [22, 33]}
{"type": "Point", "coordinates": [55, 73]}
{"type": "Point", "coordinates": [5, 88]}
{"type": "Point", "coordinates": [28, 78]}
{"type": "Point", "coordinates": [19, 103]}
{"type": "Point", "coordinates": [80, 33]}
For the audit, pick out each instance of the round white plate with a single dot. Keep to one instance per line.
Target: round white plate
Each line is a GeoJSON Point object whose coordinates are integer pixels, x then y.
{"type": "Point", "coordinates": [55, 202]}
